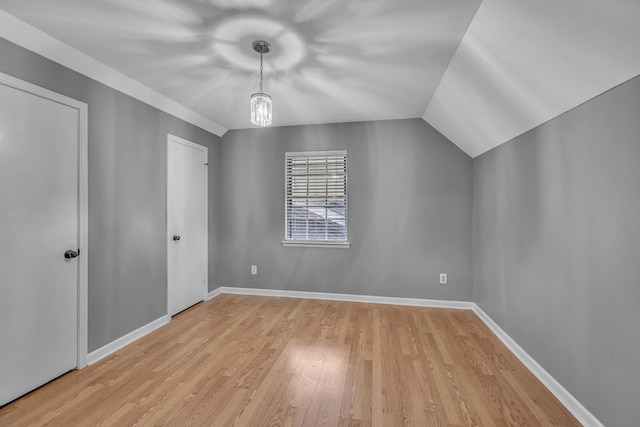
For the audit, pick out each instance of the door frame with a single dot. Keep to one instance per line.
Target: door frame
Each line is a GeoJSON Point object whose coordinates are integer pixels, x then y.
{"type": "Point", "coordinates": [205, 176]}
{"type": "Point", "coordinates": [83, 200]}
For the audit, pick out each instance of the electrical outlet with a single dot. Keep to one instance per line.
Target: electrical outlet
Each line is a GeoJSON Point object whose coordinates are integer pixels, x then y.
{"type": "Point", "coordinates": [443, 278]}
{"type": "Point", "coordinates": [254, 269]}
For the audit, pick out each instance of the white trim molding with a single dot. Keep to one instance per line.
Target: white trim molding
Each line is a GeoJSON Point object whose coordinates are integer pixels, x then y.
{"type": "Point", "coordinates": [416, 302]}
{"type": "Point", "coordinates": [316, 244]}
{"type": "Point", "coordinates": [127, 339]}
{"type": "Point", "coordinates": [83, 234]}
{"type": "Point", "coordinates": [214, 293]}
{"type": "Point", "coordinates": [35, 40]}
{"type": "Point", "coordinates": [567, 399]}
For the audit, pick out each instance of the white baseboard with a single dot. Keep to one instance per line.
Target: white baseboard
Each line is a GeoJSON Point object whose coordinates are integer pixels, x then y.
{"type": "Point", "coordinates": [214, 293]}
{"type": "Point", "coordinates": [571, 403]}
{"type": "Point", "coordinates": [116, 345]}
{"type": "Point", "coordinates": [464, 305]}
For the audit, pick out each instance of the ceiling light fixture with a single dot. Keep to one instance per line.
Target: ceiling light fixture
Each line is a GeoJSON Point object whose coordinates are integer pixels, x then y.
{"type": "Point", "coordinates": [261, 112]}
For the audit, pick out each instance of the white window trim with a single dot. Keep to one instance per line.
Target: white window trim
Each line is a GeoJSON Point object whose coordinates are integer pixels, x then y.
{"type": "Point", "coordinates": [316, 243]}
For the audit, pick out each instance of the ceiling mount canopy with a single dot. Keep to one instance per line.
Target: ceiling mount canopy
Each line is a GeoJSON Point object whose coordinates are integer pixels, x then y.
{"type": "Point", "coordinates": [261, 110]}
{"type": "Point", "coordinates": [261, 46]}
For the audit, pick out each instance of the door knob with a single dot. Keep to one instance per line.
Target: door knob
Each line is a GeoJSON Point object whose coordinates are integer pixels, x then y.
{"type": "Point", "coordinates": [176, 237]}
{"type": "Point", "coordinates": [71, 254]}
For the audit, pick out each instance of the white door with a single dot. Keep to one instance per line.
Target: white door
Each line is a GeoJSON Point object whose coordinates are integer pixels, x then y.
{"type": "Point", "coordinates": [39, 143]}
{"type": "Point", "coordinates": [187, 236]}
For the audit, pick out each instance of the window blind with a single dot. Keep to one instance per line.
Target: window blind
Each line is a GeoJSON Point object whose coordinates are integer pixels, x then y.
{"type": "Point", "coordinates": [316, 196]}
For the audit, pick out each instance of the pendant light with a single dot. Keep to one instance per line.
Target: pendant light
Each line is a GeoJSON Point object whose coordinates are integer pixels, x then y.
{"type": "Point", "coordinates": [261, 112]}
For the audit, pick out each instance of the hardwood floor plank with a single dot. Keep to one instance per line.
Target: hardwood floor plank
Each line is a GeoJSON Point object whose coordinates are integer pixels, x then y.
{"type": "Point", "coordinates": [268, 362]}
{"type": "Point", "coordinates": [377, 417]}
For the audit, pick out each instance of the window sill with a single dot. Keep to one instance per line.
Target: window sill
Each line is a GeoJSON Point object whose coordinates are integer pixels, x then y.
{"type": "Point", "coordinates": [316, 244]}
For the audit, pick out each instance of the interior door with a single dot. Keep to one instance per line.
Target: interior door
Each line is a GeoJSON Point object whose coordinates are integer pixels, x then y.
{"type": "Point", "coordinates": [187, 236]}
{"type": "Point", "coordinates": [39, 141]}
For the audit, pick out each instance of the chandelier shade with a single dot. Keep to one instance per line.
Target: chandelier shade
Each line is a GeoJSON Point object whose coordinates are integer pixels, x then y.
{"type": "Point", "coordinates": [261, 104]}
{"type": "Point", "coordinates": [261, 111]}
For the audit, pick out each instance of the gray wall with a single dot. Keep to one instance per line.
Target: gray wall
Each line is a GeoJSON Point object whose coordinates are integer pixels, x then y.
{"type": "Point", "coordinates": [557, 249]}
{"type": "Point", "coordinates": [409, 212]}
{"type": "Point", "coordinates": [556, 224]}
{"type": "Point", "coordinates": [127, 195]}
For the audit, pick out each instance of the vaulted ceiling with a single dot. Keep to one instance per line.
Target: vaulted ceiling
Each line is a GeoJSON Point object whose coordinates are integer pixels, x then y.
{"type": "Point", "coordinates": [481, 73]}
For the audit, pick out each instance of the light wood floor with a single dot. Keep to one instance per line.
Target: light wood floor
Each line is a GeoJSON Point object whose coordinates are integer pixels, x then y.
{"type": "Point", "coordinates": [264, 361]}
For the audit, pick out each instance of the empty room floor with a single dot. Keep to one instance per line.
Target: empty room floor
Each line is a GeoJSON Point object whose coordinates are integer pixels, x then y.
{"type": "Point", "coordinates": [265, 361]}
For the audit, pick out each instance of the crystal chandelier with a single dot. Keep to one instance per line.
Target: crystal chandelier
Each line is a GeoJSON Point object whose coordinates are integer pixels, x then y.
{"type": "Point", "coordinates": [261, 102]}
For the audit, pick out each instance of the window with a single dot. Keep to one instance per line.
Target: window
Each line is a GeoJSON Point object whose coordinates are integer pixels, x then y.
{"type": "Point", "coordinates": [316, 199]}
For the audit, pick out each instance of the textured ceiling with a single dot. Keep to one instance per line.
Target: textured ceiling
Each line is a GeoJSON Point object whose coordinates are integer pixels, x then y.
{"type": "Point", "coordinates": [331, 60]}
{"type": "Point", "coordinates": [479, 73]}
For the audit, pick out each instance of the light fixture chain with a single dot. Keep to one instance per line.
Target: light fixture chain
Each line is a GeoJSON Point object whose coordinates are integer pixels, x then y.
{"type": "Point", "coordinates": [261, 70]}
